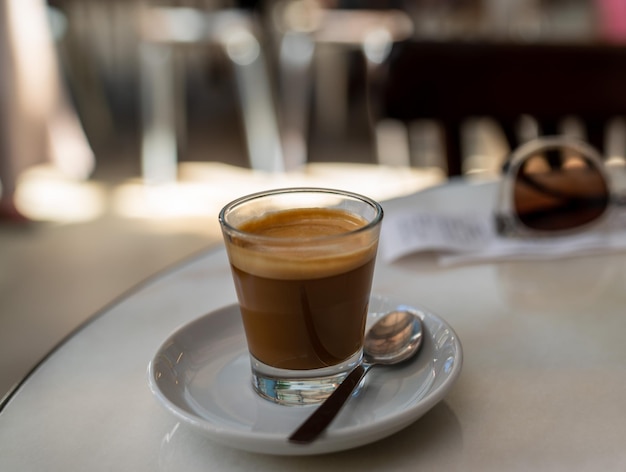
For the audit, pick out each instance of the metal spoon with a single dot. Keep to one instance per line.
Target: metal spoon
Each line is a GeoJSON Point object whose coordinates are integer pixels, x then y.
{"type": "Point", "coordinates": [394, 338]}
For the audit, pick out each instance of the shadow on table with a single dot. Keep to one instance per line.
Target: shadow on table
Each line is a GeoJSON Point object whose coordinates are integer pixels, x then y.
{"type": "Point", "coordinates": [434, 440]}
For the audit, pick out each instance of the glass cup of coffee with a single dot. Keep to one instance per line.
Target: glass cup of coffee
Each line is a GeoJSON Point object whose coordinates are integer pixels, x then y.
{"type": "Point", "coordinates": [302, 261]}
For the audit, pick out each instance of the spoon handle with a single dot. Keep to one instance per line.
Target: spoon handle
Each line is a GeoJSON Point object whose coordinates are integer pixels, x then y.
{"type": "Point", "coordinates": [315, 424]}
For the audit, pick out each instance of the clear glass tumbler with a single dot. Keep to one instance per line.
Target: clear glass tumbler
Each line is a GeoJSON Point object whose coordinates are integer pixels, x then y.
{"type": "Point", "coordinates": [302, 261]}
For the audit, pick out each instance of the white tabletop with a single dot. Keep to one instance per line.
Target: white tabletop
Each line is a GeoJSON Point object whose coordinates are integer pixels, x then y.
{"type": "Point", "coordinates": [543, 385]}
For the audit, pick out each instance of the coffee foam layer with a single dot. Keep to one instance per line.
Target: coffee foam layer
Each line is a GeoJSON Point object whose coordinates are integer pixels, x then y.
{"type": "Point", "coordinates": [318, 258]}
{"type": "Point", "coordinates": [304, 223]}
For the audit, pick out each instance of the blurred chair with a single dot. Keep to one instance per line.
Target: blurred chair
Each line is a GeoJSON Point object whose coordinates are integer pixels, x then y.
{"type": "Point", "coordinates": [162, 30]}
{"type": "Point", "coordinates": [276, 135]}
{"type": "Point", "coordinates": [306, 27]}
{"type": "Point", "coordinates": [453, 81]}
{"type": "Point", "coordinates": [38, 123]}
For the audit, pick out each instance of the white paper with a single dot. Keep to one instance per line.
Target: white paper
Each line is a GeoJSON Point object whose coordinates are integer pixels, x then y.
{"type": "Point", "coordinates": [408, 231]}
{"type": "Point", "coordinates": [466, 238]}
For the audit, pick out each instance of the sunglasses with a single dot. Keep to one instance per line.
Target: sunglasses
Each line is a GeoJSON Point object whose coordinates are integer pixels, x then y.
{"type": "Point", "coordinates": [554, 185]}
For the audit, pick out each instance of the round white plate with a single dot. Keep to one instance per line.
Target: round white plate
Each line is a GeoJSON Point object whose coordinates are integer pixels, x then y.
{"type": "Point", "coordinates": [201, 374]}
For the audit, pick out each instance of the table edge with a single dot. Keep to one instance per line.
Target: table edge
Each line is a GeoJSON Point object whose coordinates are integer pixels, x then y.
{"type": "Point", "coordinates": [172, 267]}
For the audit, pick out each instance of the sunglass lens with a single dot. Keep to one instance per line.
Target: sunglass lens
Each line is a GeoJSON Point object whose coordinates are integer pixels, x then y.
{"type": "Point", "coordinates": [556, 191]}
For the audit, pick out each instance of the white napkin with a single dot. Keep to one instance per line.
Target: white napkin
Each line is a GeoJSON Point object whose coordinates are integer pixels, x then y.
{"type": "Point", "coordinates": [470, 238]}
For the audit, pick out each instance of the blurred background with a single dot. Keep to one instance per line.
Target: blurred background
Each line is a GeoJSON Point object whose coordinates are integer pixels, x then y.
{"type": "Point", "coordinates": [125, 125]}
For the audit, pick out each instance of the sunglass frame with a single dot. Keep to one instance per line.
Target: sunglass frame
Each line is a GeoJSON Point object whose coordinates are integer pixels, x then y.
{"type": "Point", "coordinates": [507, 220]}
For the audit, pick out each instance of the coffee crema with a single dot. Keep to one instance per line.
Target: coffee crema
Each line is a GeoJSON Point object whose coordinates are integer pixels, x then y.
{"type": "Point", "coordinates": [288, 255]}
{"type": "Point", "coordinates": [304, 223]}
{"type": "Point", "coordinates": [304, 305]}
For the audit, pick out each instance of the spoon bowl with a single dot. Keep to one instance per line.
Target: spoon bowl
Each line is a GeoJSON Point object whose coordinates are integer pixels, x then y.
{"type": "Point", "coordinates": [394, 338]}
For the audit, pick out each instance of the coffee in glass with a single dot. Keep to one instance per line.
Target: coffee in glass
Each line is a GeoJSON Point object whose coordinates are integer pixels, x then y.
{"type": "Point", "coordinates": [302, 262]}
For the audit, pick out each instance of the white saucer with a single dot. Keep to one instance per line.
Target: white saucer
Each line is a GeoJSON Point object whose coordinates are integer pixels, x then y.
{"type": "Point", "coordinates": [201, 374]}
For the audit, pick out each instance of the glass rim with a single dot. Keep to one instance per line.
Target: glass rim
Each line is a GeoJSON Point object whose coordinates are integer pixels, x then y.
{"type": "Point", "coordinates": [379, 213]}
